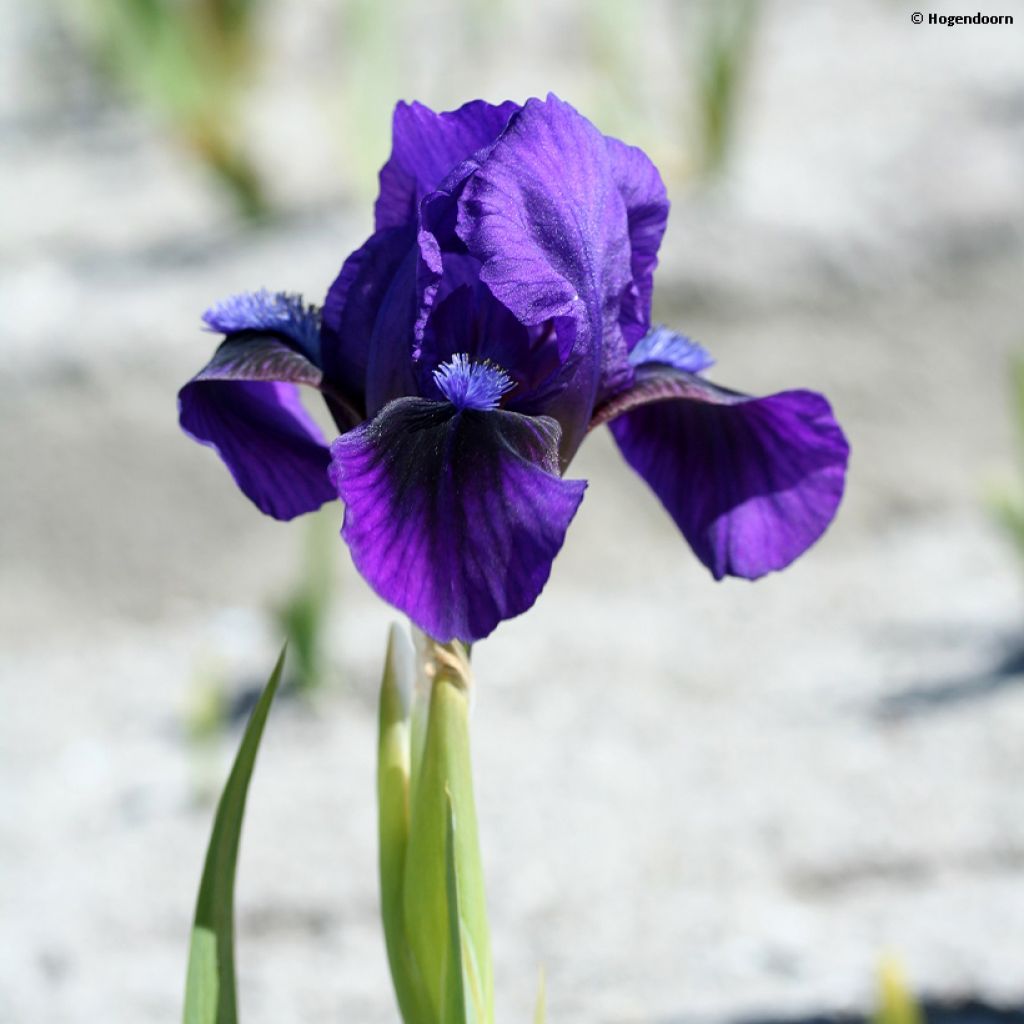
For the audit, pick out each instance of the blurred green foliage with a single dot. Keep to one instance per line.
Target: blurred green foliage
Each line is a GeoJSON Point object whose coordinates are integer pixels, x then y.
{"type": "Point", "coordinates": [721, 61]}
{"type": "Point", "coordinates": [896, 1003]}
{"type": "Point", "coordinates": [207, 710]}
{"type": "Point", "coordinates": [305, 613]}
{"type": "Point", "coordinates": [216, 701]}
{"type": "Point", "coordinates": [188, 60]}
{"type": "Point", "coordinates": [1007, 501]}
{"type": "Point", "coordinates": [194, 63]}
{"type": "Point", "coordinates": [717, 42]}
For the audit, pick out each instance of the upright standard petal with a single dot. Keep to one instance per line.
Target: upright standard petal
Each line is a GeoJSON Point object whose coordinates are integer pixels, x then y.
{"type": "Point", "coordinates": [245, 404]}
{"type": "Point", "coordinates": [454, 515]}
{"type": "Point", "coordinates": [425, 147]}
{"type": "Point", "coordinates": [751, 482]}
{"type": "Point", "coordinates": [545, 216]}
{"type": "Point", "coordinates": [647, 207]}
{"type": "Point", "coordinates": [367, 321]}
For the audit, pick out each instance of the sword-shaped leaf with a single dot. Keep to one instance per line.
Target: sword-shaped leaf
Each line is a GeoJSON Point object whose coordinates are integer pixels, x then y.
{"type": "Point", "coordinates": [210, 996]}
{"type": "Point", "coordinates": [393, 798]}
{"type": "Point", "coordinates": [453, 997]}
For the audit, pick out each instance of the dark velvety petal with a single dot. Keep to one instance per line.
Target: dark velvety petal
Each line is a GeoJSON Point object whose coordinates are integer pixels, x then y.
{"type": "Point", "coordinates": [425, 148]}
{"type": "Point", "coordinates": [454, 516]}
{"type": "Point", "coordinates": [444, 262]}
{"type": "Point", "coordinates": [276, 337]}
{"type": "Point", "coordinates": [245, 404]}
{"type": "Point", "coordinates": [666, 365]}
{"type": "Point", "coordinates": [751, 482]}
{"type": "Point", "coordinates": [546, 218]}
{"type": "Point", "coordinates": [272, 447]}
{"type": "Point", "coordinates": [647, 208]}
{"type": "Point", "coordinates": [373, 286]}
{"type": "Point", "coordinates": [390, 371]}
{"type": "Point", "coordinates": [469, 319]}
{"type": "Point", "coordinates": [260, 357]}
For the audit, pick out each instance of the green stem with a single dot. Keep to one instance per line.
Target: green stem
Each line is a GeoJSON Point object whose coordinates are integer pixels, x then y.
{"type": "Point", "coordinates": [432, 891]}
{"type": "Point", "coordinates": [393, 782]}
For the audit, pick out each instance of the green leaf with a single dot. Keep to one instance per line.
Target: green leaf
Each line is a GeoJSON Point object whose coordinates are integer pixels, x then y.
{"type": "Point", "coordinates": [210, 996]}
{"type": "Point", "coordinates": [202, 987]}
{"type": "Point", "coordinates": [393, 783]}
{"type": "Point", "coordinates": [453, 998]}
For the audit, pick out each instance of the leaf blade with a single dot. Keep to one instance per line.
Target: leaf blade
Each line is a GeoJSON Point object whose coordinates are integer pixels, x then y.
{"type": "Point", "coordinates": [454, 994]}
{"type": "Point", "coordinates": [393, 783]}
{"type": "Point", "coordinates": [210, 994]}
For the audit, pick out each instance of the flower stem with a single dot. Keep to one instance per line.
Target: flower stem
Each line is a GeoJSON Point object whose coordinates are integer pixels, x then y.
{"type": "Point", "coordinates": [432, 891]}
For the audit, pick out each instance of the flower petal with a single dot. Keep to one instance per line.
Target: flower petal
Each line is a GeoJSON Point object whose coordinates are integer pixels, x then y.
{"type": "Point", "coordinates": [425, 147]}
{"type": "Point", "coordinates": [647, 208]}
{"type": "Point", "coordinates": [373, 288]}
{"type": "Point", "coordinates": [666, 366]}
{"type": "Point", "coordinates": [245, 404]}
{"type": "Point", "coordinates": [751, 482]}
{"type": "Point", "coordinates": [454, 516]}
{"type": "Point", "coordinates": [545, 216]}
{"type": "Point", "coordinates": [271, 445]}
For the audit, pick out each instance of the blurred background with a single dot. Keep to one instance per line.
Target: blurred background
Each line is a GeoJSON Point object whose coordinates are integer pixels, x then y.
{"type": "Point", "coordinates": [699, 801]}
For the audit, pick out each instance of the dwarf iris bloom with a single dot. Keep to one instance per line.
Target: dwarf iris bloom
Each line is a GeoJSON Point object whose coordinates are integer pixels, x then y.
{"type": "Point", "coordinates": [500, 311]}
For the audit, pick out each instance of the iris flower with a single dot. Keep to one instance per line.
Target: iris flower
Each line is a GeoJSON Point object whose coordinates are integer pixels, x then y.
{"type": "Point", "coordinates": [499, 312]}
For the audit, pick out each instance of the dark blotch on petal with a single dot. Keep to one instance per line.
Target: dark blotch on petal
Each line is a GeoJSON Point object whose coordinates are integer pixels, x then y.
{"type": "Point", "coordinates": [260, 357]}
{"type": "Point", "coordinates": [454, 516]}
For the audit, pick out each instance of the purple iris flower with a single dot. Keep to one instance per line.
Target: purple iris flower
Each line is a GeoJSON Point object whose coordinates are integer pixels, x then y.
{"type": "Point", "coordinates": [500, 311]}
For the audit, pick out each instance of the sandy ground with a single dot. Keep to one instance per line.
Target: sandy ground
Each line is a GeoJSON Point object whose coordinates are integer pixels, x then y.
{"type": "Point", "coordinates": [698, 801]}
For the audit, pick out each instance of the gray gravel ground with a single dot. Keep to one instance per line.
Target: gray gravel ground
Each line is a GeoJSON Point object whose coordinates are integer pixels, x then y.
{"type": "Point", "coordinates": [698, 801]}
